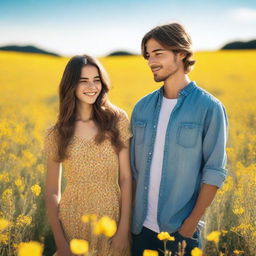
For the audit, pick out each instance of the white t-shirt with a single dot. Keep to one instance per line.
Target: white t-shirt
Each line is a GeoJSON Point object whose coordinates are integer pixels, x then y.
{"type": "Point", "coordinates": [156, 164]}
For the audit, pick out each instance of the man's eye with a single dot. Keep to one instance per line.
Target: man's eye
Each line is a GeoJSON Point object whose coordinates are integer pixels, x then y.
{"type": "Point", "coordinates": [158, 53]}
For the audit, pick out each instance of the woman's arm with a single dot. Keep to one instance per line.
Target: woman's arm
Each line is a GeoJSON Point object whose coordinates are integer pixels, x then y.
{"type": "Point", "coordinates": [121, 239]}
{"type": "Point", "coordinates": [52, 199]}
{"type": "Point", "coordinates": [125, 181]}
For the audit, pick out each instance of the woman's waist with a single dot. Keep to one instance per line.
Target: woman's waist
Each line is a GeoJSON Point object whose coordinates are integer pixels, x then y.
{"type": "Point", "coordinates": [85, 187]}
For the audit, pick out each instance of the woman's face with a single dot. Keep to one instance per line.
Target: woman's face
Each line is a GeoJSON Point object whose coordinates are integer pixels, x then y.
{"type": "Point", "coordinates": [89, 85]}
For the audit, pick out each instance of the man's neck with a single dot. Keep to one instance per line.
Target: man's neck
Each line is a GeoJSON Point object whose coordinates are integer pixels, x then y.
{"type": "Point", "coordinates": [174, 84]}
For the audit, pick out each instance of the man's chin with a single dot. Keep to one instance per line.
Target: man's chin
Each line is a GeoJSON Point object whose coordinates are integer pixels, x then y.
{"type": "Point", "coordinates": [158, 79]}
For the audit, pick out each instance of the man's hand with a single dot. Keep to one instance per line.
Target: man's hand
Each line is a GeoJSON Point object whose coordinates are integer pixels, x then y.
{"type": "Point", "coordinates": [188, 227]}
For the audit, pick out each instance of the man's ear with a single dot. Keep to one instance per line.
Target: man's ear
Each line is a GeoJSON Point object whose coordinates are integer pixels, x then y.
{"type": "Point", "coordinates": [182, 55]}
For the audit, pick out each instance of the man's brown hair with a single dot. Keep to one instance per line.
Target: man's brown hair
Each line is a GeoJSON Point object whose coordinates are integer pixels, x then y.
{"type": "Point", "coordinates": [173, 37]}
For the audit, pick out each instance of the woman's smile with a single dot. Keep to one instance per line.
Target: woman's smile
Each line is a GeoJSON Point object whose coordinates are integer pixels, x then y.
{"type": "Point", "coordinates": [90, 93]}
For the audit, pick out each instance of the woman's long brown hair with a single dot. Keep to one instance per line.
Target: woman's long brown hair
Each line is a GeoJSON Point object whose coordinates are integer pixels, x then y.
{"type": "Point", "coordinates": [104, 114]}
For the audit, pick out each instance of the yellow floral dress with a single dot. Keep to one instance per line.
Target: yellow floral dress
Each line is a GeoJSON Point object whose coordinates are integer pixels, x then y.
{"type": "Point", "coordinates": [92, 187]}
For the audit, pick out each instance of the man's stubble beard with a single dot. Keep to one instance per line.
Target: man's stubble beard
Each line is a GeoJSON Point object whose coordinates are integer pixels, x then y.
{"type": "Point", "coordinates": [163, 78]}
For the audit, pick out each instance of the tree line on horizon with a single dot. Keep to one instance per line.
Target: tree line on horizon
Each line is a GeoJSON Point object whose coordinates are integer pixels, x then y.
{"type": "Point", "coordinates": [236, 45]}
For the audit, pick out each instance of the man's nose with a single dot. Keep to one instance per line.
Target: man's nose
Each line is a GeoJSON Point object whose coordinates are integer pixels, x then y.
{"type": "Point", "coordinates": [151, 61]}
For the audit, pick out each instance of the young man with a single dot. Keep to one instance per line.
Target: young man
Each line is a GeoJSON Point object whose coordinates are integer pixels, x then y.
{"type": "Point", "coordinates": [178, 147]}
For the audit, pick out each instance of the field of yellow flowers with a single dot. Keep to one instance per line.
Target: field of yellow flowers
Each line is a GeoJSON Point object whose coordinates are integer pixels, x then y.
{"type": "Point", "coordinates": [29, 104]}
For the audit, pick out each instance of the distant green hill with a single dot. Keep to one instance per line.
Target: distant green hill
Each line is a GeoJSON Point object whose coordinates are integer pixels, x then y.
{"type": "Point", "coordinates": [239, 45]}
{"type": "Point", "coordinates": [26, 48]}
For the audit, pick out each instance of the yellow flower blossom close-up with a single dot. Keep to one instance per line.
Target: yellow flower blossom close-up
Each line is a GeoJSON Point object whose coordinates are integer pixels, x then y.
{"type": "Point", "coordinates": [36, 189]}
{"type": "Point", "coordinates": [165, 236]}
{"type": "Point", "coordinates": [105, 226]}
{"type": "Point", "coordinates": [150, 253]}
{"type": "Point", "coordinates": [196, 252]}
{"type": "Point", "coordinates": [18, 182]}
{"type": "Point", "coordinates": [79, 246]}
{"type": "Point", "coordinates": [214, 236]}
{"type": "Point", "coordinates": [31, 248]}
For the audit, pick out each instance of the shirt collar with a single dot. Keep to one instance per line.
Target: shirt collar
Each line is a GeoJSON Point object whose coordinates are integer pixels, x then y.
{"type": "Point", "coordinates": [184, 91]}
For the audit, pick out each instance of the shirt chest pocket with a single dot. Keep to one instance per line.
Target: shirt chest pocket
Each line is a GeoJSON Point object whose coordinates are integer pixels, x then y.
{"type": "Point", "coordinates": [188, 134]}
{"type": "Point", "coordinates": [140, 129]}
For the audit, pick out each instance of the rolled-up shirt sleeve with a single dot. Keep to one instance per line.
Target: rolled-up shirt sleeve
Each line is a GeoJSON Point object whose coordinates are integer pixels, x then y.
{"type": "Point", "coordinates": [214, 146]}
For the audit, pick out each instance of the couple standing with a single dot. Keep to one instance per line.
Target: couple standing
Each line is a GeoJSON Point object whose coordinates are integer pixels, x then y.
{"type": "Point", "coordinates": [165, 167]}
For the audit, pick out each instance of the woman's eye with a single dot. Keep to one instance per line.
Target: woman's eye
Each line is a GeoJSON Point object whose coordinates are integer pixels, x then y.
{"type": "Point", "coordinates": [96, 81]}
{"type": "Point", "coordinates": [158, 54]}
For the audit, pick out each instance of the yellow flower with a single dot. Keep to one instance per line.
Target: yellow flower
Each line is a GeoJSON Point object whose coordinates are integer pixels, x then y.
{"type": "Point", "coordinates": [31, 248]}
{"type": "Point", "coordinates": [105, 226]}
{"type": "Point", "coordinates": [165, 236]}
{"type": "Point", "coordinates": [28, 158]}
{"type": "Point", "coordinates": [238, 211]}
{"type": "Point", "coordinates": [237, 252]}
{"type": "Point", "coordinates": [4, 177]}
{"type": "Point", "coordinates": [15, 246]}
{"type": "Point", "coordinates": [23, 220]}
{"type": "Point", "coordinates": [150, 253]}
{"type": "Point", "coordinates": [89, 217]}
{"type": "Point", "coordinates": [196, 252]}
{"type": "Point", "coordinates": [85, 218]}
{"type": "Point", "coordinates": [214, 236]}
{"type": "Point", "coordinates": [7, 194]}
{"type": "Point", "coordinates": [4, 237]}
{"type": "Point", "coordinates": [36, 189]}
{"type": "Point", "coordinates": [4, 224]}
{"type": "Point", "coordinates": [79, 246]}
{"type": "Point", "coordinates": [12, 157]}
{"type": "Point", "coordinates": [18, 182]}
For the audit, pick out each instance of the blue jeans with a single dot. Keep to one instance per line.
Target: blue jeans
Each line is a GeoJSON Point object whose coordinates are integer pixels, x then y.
{"type": "Point", "coordinates": [147, 239]}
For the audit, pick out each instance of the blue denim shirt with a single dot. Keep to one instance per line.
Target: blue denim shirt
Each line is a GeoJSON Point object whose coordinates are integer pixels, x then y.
{"type": "Point", "coordinates": [194, 153]}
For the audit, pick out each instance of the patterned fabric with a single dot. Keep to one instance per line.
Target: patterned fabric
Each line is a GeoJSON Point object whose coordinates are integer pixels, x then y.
{"type": "Point", "coordinates": [91, 174]}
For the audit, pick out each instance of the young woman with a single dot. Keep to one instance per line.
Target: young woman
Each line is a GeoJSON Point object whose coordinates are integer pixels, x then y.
{"type": "Point", "coordinates": [90, 140]}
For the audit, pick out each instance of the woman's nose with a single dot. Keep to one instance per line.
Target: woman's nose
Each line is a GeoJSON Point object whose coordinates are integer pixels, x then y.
{"type": "Point", "coordinates": [90, 84]}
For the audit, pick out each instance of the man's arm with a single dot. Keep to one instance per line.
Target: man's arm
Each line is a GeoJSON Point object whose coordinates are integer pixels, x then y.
{"type": "Point", "coordinates": [214, 173]}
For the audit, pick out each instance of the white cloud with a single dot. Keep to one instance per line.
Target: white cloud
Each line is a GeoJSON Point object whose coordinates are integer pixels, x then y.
{"type": "Point", "coordinates": [244, 15]}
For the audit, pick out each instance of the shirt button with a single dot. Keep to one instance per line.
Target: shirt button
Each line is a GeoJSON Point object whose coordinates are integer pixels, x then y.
{"type": "Point", "coordinates": [146, 187]}
{"type": "Point", "coordinates": [154, 126]}
{"type": "Point", "coordinates": [150, 153]}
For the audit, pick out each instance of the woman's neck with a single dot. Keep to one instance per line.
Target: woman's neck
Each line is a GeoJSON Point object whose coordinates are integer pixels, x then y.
{"type": "Point", "coordinates": [84, 111]}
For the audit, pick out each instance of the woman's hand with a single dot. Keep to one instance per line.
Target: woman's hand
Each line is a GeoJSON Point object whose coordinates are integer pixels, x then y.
{"type": "Point", "coordinates": [120, 242]}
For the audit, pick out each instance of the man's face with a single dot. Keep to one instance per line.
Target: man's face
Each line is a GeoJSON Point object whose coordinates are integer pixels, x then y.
{"type": "Point", "coordinates": [163, 63]}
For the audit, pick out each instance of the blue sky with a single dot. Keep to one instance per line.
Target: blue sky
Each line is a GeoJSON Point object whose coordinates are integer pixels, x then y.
{"type": "Point", "coordinates": [71, 27]}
